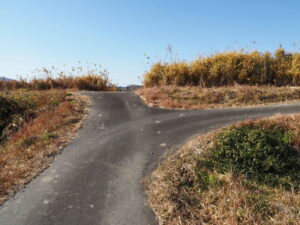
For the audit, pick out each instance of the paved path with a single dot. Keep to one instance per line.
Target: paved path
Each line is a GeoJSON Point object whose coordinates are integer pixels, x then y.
{"type": "Point", "coordinates": [98, 177]}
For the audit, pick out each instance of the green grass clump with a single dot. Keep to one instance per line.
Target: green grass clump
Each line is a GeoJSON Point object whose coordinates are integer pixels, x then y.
{"type": "Point", "coordinates": [48, 136]}
{"type": "Point", "coordinates": [264, 155]}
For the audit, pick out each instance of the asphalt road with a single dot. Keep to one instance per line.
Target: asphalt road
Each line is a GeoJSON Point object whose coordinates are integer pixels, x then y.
{"type": "Point", "coordinates": [98, 177]}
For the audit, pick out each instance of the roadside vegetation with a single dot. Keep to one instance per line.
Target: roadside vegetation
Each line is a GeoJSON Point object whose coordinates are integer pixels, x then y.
{"type": "Point", "coordinates": [90, 78]}
{"type": "Point", "coordinates": [34, 126]}
{"type": "Point", "coordinates": [227, 79]}
{"type": "Point", "coordinates": [191, 97]}
{"type": "Point", "coordinates": [248, 173]}
{"type": "Point", "coordinates": [38, 118]}
{"type": "Point", "coordinates": [229, 68]}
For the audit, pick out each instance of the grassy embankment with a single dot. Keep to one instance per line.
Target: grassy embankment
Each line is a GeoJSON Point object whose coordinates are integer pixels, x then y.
{"type": "Point", "coordinates": [34, 126]}
{"type": "Point", "coordinates": [173, 97]}
{"type": "Point", "coordinates": [224, 80]}
{"type": "Point", "coordinates": [37, 118]}
{"type": "Point", "coordinates": [247, 173]}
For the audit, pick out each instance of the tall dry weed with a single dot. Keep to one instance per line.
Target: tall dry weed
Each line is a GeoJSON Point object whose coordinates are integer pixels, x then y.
{"type": "Point", "coordinates": [229, 68]}
{"type": "Point", "coordinates": [91, 77]}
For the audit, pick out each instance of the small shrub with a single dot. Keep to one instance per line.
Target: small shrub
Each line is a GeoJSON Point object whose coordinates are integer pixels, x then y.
{"type": "Point", "coordinates": [264, 155]}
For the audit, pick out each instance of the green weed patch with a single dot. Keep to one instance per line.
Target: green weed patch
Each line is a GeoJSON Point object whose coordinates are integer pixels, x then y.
{"type": "Point", "coordinates": [266, 156]}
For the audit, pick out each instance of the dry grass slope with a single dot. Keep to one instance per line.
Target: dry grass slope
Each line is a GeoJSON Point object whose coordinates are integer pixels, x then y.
{"type": "Point", "coordinates": [186, 190]}
{"type": "Point", "coordinates": [33, 135]}
{"type": "Point", "coordinates": [190, 97]}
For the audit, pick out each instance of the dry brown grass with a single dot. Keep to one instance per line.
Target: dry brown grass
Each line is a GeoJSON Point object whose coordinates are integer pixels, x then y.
{"type": "Point", "coordinates": [190, 97]}
{"type": "Point", "coordinates": [89, 77]}
{"type": "Point", "coordinates": [87, 82]}
{"type": "Point", "coordinates": [18, 106]}
{"type": "Point", "coordinates": [29, 150]}
{"type": "Point", "coordinates": [228, 68]}
{"type": "Point", "coordinates": [177, 197]}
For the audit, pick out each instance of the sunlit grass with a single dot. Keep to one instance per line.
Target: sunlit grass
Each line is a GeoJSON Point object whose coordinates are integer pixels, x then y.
{"type": "Point", "coordinates": [194, 186]}
{"type": "Point", "coordinates": [229, 68]}
{"type": "Point", "coordinates": [91, 78]}
{"type": "Point", "coordinates": [36, 124]}
{"type": "Point", "coordinates": [190, 97]}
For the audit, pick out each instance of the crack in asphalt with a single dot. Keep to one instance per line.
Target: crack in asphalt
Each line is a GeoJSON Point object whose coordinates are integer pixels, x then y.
{"type": "Point", "coordinates": [98, 177]}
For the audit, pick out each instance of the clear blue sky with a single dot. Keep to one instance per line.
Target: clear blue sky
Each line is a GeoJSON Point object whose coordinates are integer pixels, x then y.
{"type": "Point", "coordinates": [117, 33]}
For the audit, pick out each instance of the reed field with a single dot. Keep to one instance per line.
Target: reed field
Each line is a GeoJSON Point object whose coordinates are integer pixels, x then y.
{"type": "Point", "coordinates": [90, 78]}
{"type": "Point", "coordinates": [229, 68]}
{"type": "Point", "coordinates": [228, 79]}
